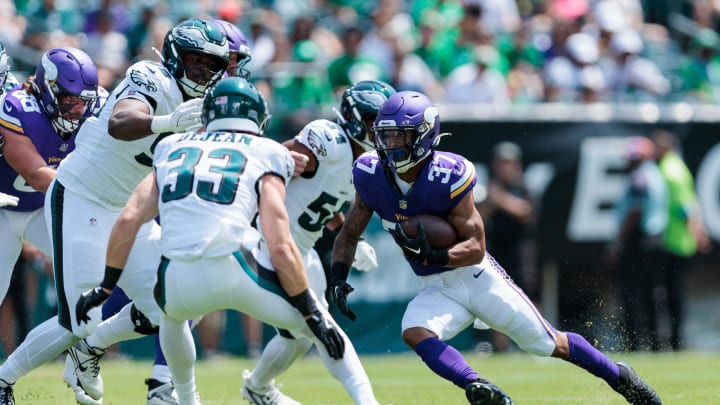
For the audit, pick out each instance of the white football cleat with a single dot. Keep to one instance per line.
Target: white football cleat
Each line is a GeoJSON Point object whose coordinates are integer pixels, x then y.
{"type": "Point", "coordinates": [86, 360]}
{"type": "Point", "coordinates": [268, 395]}
{"type": "Point", "coordinates": [81, 397]}
{"type": "Point", "coordinates": [160, 393]}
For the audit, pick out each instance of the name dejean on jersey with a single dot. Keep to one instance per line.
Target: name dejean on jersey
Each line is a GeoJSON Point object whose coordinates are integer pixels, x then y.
{"type": "Point", "coordinates": [217, 137]}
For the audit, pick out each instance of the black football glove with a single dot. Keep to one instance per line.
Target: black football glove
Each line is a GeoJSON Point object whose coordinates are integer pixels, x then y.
{"type": "Point", "coordinates": [328, 334]}
{"type": "Point", "coordinates": [340, 290]}
{"type": "Point", "coordinates": [418, 249]}
{"type": "Point", "coordinates": [89, 300]}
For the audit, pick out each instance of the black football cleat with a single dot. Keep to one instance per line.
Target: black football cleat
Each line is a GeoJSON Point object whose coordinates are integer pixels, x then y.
{"type": "Point", "coordinates": [633, 388]}
{"type": "Point", "coordinates": [481, 392]}
{"type": "Point", "coordinates": [6, 395]}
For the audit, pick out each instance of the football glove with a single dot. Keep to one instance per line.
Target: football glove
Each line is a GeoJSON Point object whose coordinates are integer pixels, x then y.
{"type": "Point", "coordinates": [87, 301]}
{"type": "Point", "coordinates": [418, 249]}
{"type": "Point", "coordinates": [7, 200]}
{"type": "Point", "coordinates": [340, 290]}
{"type": "Point", "coordinates": [365, 257]}
{"type": "Point", "coordinates": [185, 116]}
{"type": "Point", "coordinates": [328, 334]}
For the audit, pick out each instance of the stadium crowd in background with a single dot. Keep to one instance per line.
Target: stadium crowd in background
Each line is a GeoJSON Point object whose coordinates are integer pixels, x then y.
{"type": "Point", "coordinates": [509, 52]}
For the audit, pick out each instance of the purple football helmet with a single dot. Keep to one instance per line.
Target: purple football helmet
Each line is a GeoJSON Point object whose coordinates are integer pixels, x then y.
{"type": "Point", "coordinates": [407, 130]}
{"type": "Point", "coordinates": [238, 46]}
{"type": "Point", "coordinates": [66, 79]}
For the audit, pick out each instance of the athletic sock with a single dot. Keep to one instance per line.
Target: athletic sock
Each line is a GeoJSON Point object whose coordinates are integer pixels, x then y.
{"type": "Point", "coordinates": [584, 355]}
{"type": "Point", "coordinates": [446, 362]}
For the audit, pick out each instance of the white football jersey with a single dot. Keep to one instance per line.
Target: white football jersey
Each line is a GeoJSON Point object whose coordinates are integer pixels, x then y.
{"type": "Point", "coordinates": [208, 183]}
{"type": "Point", "coordinates": [105, 169]}
{"type": "Point", "coordinates": [313, 201]}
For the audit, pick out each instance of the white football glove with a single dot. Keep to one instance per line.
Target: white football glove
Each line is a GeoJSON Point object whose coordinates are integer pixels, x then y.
{"type": "Point", "coordinates": [7, 200]}
{"type": "Point", "coordinates": [185, 116]}
{"type": "Point", "coordinates": [365, 257]}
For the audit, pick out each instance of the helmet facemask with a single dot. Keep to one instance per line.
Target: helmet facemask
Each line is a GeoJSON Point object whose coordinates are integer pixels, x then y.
{"type": "Point", "coordinates": [72, 110]}
{"type": "Point", "coordinates": [402, 147]}
{"type": "Point", "coordinates": [66, 84]}
{"type": "Point", "coordinates": [196, 53]}
{"type": "Point", "coordinates": [199, 72]}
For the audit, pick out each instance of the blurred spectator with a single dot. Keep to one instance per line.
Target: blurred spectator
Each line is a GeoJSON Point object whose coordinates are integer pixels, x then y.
{"type": "Point", "coordinates": [478, 81]}
{"type": "Point", "coordinates": [699, 70]}
{"type": "Point", "coordinates": [12, 25]}
{"type": "Point", "coordinates": [388, 22]}
{"type": "Point", "coordinates": [351, 67]}
{"type": "Point", "coordinates": [525, 59]}
{"type": "Point", "coordinates": [567, 10]}
{"type": "Point", "coordinates": [409, 71]}
{"type": "Point", "coordinates": [685, 234]}
{"type": "Point", "coordinates": [327, 44]}
{"type": "Point", "coordinates": [455, 45]}
{"type": "Point", "coordinates": [50, 26]}
{"type": "Point", "coordinates": [140, 31]}
{"type": "Point", "coordinates": [300, 91]}
{"type": "Point", "coordinates": [499, 15]}
{"type": "Point", "coordinates": [429, 25]}
{"type": "Point", "coordinates": [575, 76]}
{"type": "Point", "coordinates": [606, 18]}
{"type": "Point", "coordinates": [119, 15]}
{"type": "Point", "coordinates": [642, 218]}
{"type": "Point", "coordinates": [108, 48]}
{"type": "Point", "coordinates": [260, 40]}
{"type": "Point", "coordinates": [509, 214]}
{"type": "Point", "coordinates": [150, 47]}
{"type": "Point", "coordinates": [633, 78]}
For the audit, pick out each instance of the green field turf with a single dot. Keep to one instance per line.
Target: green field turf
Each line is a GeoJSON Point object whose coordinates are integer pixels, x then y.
{"type": "Point", "coordinates": [684, 378]}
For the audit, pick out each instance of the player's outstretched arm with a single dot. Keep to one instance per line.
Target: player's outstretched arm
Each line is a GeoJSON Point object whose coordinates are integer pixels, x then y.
{"type": "Point", "coordinates": [284, 254]}
{"type": "Point", "coordinates": [356, 220]}
{"type": "Point", "coordinates": [140, 208]}
{"type": "Point", "coordinates": [22, 155]}
{"type": "Point", "coordinates": [131, 119]}
{"type": "Point", "coordinates": [287, 261]}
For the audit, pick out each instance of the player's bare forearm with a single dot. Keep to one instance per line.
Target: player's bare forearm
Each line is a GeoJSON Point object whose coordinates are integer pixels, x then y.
{"type": "Point", "coordinates": [469, 226]}
{"type": "Point", "coordinates": [357, 218]}
{"type": "Point", "coordinates": [130, 120]}
{"type": "Point", "coordinates": [284, 254]}
{"type": "Point", "coordinates": [20, 153]}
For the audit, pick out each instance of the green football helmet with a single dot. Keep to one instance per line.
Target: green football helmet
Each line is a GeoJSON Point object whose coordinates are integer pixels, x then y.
{"type": "Point", "coordinates": [201, 37]}
{"type": "Point", "coordinates": [234, 104]}
{"type": "Point", "coordinates": [360, 103]}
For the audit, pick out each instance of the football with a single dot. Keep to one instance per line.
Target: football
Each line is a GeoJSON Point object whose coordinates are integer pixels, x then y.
{"type": "Point", "coordinates": [440, 233]}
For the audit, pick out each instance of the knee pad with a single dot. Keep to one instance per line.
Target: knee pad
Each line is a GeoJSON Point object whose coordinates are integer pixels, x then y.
{"type": "Point", "coordinates": [142, 323]}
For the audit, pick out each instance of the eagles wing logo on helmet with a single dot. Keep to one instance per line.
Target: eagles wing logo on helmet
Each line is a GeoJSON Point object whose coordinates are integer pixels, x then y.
{"type": "Point", "coordinates": [183, 34]}
{"type": "Point", "coordinates": [143, 80]}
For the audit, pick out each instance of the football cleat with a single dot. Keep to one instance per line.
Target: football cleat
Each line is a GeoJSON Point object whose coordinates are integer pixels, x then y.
{"type": "Point", "coordinates": [194, 399]}
{"type": "Point", "coordinates": [160, 393]}
{"type": "Point", "coordinates": [633, 388]}
{"type": "Point", "coordinates": [86, 360]}
{"type": "Point", "coordinates": [81, 397]}
{"type": "Point", "coordinates": [480, 392]}
{"type": "Point", "coordinates": [6, 393]}
{"type": "Point", "coordinates": [268, 395]}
